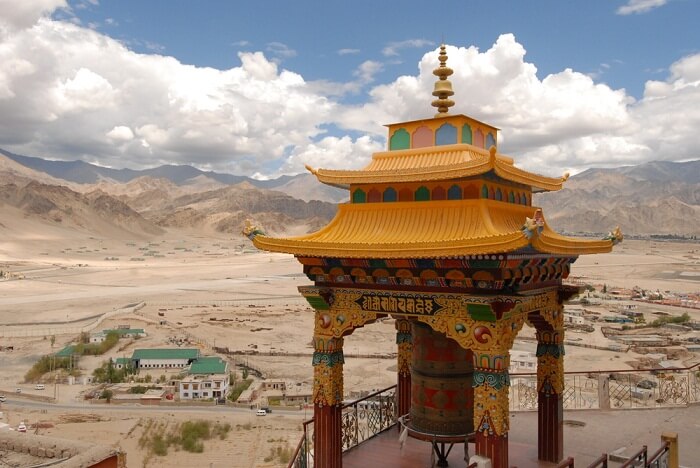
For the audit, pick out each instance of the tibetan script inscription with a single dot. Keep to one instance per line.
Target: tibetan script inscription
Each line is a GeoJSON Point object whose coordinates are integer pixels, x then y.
{"type": "Point", "coordinates": [398, 303]}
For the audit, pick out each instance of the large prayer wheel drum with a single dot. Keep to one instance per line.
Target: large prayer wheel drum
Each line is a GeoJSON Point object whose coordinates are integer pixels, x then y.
{"type": "Point", "coordinates": [442, 397]}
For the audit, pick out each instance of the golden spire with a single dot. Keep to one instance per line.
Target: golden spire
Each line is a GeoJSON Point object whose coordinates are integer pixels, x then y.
{"type": "Point", "coordinates": [443, 87]}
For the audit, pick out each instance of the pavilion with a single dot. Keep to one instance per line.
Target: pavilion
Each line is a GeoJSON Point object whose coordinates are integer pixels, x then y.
{"type": "Point", "coordinates": [440, 234]}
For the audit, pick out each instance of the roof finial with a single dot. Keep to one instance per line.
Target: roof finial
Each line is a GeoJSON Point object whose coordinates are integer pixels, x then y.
{"type": "Point", "coordinates": [443, 87]}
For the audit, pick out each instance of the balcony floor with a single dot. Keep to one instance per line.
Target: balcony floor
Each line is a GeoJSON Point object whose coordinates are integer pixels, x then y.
{"type": "Point", "coordinates": [384, 450]}
{"type": "Point", "coordinates": [587, 434]}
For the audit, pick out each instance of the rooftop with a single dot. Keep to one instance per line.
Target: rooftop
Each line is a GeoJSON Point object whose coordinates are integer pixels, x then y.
{"type": "Point", "coordinates": [445, 162]}
{"type": "Point", "coordinates": [447, 228]}
{"type": "Point", "coordinates": [171, 353]}
{"type": "Point", "coordinates": [208, 365]}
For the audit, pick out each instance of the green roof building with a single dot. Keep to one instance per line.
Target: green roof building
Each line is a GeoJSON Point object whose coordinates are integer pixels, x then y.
{"type": "Point", "coordinates": [208, 365]}
{"type": "Point", "coordinates": [66, 352]}
{"type": "Point", "coordinates": [164, 358]}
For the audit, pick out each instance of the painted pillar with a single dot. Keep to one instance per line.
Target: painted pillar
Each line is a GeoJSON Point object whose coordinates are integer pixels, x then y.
{"type": "Point", "coordinates": [491, 417]}
{"type": "Point", "coordinates": [550, 401]}
{"type": "Point", "coordinates": [404, 345]}
{"type": "Point", "coordinates": [328, 399]}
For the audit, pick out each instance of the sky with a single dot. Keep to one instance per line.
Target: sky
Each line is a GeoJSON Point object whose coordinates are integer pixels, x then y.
{"type": "Point", "coordinates": [264, 88]}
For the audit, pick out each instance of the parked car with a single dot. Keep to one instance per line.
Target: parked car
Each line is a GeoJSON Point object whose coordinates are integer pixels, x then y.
{"type": "Point", "coordinates": [3, 399]}
{"type": "Point", "coordinates": [22, 427]}
{"type": "Point", "coordinates": [260, 412]}
{"type": "Point", "coordinates": [18, 390]}
{"type": "Point", "coordinates": [266, 409]}
{"type": "Point", "coordinates": [40, 386]}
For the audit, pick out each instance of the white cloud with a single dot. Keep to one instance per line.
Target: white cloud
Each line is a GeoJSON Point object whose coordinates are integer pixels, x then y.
{"type": "Point", "coordinates": [120, 133]}
{"type": "Point", "coordinates": [333, 153]}
{"type": "Point", "coordinates": [24, 14]}
{"type": "Point", "coordinates": [348, 51]}
{"type": "Point", "coordinates": [367, 69]}
{"type": "Point", "coordinates": [279, 49]}
{"type": "Point", "coordinates": [392, 48]}
{"type": "Point", "coordinates": [640, 6]}
{"type": "Point", "coordinates": [561, 122]}
{"type": "Point", "coordinates": [68, 92]}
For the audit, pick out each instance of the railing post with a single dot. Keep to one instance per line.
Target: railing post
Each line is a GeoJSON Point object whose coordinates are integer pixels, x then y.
{"type": "Point", "coordinates": [672, 439]}
{"type": "Point", "coordinates": [603, 391]}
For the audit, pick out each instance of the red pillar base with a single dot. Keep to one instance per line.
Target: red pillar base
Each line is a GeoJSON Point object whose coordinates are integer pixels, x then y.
{"type": "Point", "coordinates": [550, 427]}
{"type": "Point", "coordinates": [494, 447]}
{"type": "Point", "coordinates": [328, 446]}
{"type": "Point", "coordinates": [403, 394]}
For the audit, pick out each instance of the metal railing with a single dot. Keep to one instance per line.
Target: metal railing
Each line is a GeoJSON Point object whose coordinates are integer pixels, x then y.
{"type": "Point", "coordinates": [616, 389]}
{"type": "Point", "coordinates": [360, 420]}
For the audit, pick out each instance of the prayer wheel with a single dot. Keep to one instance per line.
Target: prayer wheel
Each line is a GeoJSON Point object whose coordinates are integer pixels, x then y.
{"type": "Point", "coordinates": [442, 397]}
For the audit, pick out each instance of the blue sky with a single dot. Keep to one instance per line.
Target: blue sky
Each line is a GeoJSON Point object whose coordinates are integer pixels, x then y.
{"type": "Point", "coordinates": [329, 40]}
{"type": "Point", "coordinates": [265, 87]}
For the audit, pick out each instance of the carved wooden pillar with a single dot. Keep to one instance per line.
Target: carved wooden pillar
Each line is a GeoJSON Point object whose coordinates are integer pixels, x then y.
{"type": "Point", "coordinates": [328, 399]}
{"type": "Point", "coordinates": [404, 345]}
{"type": "Point", "coordinates": [491, 423]}
{"type": "Point", "coordinates": [550, 402]}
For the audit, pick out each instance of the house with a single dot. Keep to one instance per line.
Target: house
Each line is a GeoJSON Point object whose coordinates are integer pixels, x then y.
{"type": "Point", "coordinates": [120, 362]}
{"type": "Point", "coordinates": [99, 337]}
{"type": "Point", "coordinates": [207, 377]}
{"type": "Point", "coordinates": [274, 385]}
{"type": "Point", "coordinates": [523, 361]}
{"type": "Point", "coordinates": [177, 358]}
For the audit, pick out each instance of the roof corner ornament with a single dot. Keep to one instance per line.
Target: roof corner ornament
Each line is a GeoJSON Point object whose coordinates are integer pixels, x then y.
{"type": "Point", "coordinates": [615, 236]}
{"type": "Point", "coordinates": [311, 169]}
{"type": "Point", "coordinates": [533, 226]}
{"type": "Point", "coordinates": [443, 87]}
{"type": "Point", "coordinates": [251, 231]}
{"type": "Point", "coordinates": [492, 154]}
{"type": "Point", "coordinates": [565, 177]}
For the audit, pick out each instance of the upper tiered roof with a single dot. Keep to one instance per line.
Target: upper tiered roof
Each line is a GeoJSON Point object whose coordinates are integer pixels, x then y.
{"type": "Point", "coordinates": [434, 163]}
{"type": "Point", "coordinates": [394, 214]}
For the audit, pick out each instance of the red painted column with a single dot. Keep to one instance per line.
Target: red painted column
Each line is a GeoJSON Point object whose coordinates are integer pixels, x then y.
{"type": "Point", "coordinates": [328, 399]}
{"type": "Point", "coordinates": [491, 416]}
{"type": "Point", "coordinates": [550, 402]}
{"type": "Point", "coordinates": [404, 347]}
{"type": "Point", "coordinates": [328, 450]}
{"type": "Point", "coordinates": [494, 447]}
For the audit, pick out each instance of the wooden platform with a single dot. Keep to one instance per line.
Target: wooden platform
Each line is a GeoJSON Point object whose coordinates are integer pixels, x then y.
{"type": "Point", "coordinates": [383, 450]}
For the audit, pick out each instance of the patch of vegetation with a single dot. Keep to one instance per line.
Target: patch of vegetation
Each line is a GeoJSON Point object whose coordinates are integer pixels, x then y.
{"type": "Point", "coordinates": [188, 436]}
{"type": "Point", "coordinates": [106, 395]}
{"type": "Point", "coordinates": [238, 388]}
{"type": "Point", "coordinates": [97, 349]}
{"type": "Point", "coordinates": [44, 365]}
{"type": "Point", "coordinates": [661, 321]}
{"type": "Point", "coordinates": [140, 389]}
{"type": "Point", "coordinates": [281, 453]}
{"type": "Point", "coordinates": [108, 373]}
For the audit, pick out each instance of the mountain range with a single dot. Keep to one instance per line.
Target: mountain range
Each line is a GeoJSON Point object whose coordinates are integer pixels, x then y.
{"type": "Point", "coordinates": [652, 198]}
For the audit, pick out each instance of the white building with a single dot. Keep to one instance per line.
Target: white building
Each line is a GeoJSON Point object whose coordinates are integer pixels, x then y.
{"type": "Point", "coordinates": [164, 358]}
{"type": "Point", "coordinates": [207, 377]}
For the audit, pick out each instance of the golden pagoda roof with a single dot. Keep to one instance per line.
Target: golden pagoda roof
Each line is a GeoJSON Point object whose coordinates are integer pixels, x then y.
{"type": "Point", "coordinates": [435, 163]}
{"type": "Point", "coordinates": [432, 229]}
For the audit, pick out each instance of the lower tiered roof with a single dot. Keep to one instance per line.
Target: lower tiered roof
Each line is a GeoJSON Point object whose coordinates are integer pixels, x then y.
{"type": "Point", "coordinates": [449, 228]}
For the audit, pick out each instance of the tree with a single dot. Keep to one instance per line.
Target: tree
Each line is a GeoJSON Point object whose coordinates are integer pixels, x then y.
{"type": "Point", "coordinates": [605, 288]}
{"type": "Point", "coordinates": [107, 395]}
{"type": "Point", "coordinates": [53, 340]}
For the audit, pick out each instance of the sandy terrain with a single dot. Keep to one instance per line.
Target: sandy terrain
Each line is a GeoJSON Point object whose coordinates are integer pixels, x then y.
{"type": "Point", "coordinates": [59, 283]}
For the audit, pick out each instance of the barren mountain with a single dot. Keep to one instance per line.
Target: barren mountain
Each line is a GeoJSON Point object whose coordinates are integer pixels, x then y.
{"type": "Point", "coordinates": [94, 212]}
{"type": "Point", "coordinates": [652, 198]}
{"type": "Point", "coordinates": [12, 172]}
{"type": "Point", "coordinates": [226, 209]}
